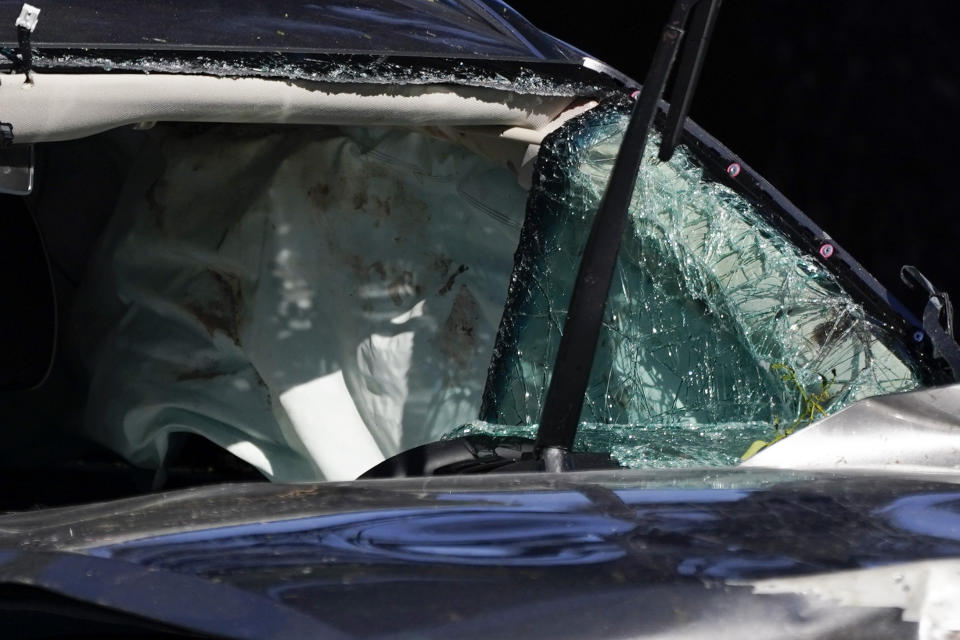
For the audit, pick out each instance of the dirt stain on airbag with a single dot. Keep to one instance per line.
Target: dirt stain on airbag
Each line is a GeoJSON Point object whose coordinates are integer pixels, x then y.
{"type": "Point", "coordinates": [445, 289]}
{"type": "Point", "coordinates": [216, 301]}
{"type": "Point", "coordinates": [457, 339]}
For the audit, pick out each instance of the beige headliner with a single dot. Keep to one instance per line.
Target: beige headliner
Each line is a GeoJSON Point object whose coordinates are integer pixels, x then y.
{"type": "Point", "coordinates": [68, 106]}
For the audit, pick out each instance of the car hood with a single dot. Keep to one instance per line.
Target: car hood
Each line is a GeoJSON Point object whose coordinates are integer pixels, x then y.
{"type": "Point", "coordinates": [667, 553]}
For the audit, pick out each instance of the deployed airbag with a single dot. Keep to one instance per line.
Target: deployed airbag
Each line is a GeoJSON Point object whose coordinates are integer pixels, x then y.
{"type": "Point", "coordinates": [312, 299]}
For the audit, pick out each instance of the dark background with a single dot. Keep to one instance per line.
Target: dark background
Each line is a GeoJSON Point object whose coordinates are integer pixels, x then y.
{"type": "Point", "coordinates": [850, 108]}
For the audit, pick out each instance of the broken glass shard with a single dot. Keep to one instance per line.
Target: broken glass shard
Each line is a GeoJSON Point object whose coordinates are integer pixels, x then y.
{"type": "Point", "coordinates": [718, 330]}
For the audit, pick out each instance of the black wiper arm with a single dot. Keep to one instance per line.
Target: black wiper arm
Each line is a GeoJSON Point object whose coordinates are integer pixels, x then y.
{"type": "Point", "coordinates": [688, 73]}
{"type": "Point", "coordinates": [571, 370]}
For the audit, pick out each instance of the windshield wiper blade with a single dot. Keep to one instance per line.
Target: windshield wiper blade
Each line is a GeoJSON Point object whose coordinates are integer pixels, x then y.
{"type": "Point", "coordinates": [571, 371]}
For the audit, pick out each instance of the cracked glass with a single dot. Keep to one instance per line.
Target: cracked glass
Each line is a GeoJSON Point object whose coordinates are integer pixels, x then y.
{"type": "Point", "coordinates": [718, 331]}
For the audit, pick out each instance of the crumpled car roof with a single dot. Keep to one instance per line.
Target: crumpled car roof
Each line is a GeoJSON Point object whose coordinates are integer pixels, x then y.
{"type": "Point", "coordinates": [484, 29]}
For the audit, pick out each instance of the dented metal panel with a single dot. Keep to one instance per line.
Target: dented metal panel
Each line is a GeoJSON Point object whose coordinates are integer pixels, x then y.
{"type": "Point", "coordinates": [671, 553]}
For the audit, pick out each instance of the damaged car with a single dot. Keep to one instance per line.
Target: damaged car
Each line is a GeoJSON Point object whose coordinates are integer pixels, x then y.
{"type": "Point", "coordinates": [402, 318]}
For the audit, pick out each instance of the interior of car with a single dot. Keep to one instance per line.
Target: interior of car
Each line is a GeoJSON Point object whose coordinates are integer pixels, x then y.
{"type": "Point", "coordinates": [238, 279]}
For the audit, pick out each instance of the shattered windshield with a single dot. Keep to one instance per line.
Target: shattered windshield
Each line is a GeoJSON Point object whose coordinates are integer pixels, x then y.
{"type": "Point", "coordinates": [718, 333]}
{"type": "Point", "coordinates": [316, 300]}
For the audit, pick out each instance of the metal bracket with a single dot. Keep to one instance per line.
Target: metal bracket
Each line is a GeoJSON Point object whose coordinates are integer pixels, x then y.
{"type": "Point", "coordinates": [16, 161]}
{"type": "Point", "coordinates": [937, 318]}
{"type": "Point", "coordinates": [16, 167]}
{"type": "Point", "coordinates": [26, 23]}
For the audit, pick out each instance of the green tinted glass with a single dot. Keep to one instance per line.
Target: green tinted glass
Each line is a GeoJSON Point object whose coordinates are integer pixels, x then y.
{"type": "Point", "coordinates": [718, 330]}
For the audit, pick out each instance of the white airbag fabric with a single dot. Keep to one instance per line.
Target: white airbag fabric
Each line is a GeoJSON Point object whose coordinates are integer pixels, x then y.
{"type": "Point", "coordinates": [312, 299]}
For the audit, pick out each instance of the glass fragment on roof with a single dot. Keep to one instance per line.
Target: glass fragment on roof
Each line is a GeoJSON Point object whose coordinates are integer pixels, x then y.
{"type": "Point", "coordinates": [718, 330]}
{"type": "Point", "coordinates": [343, 69]}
